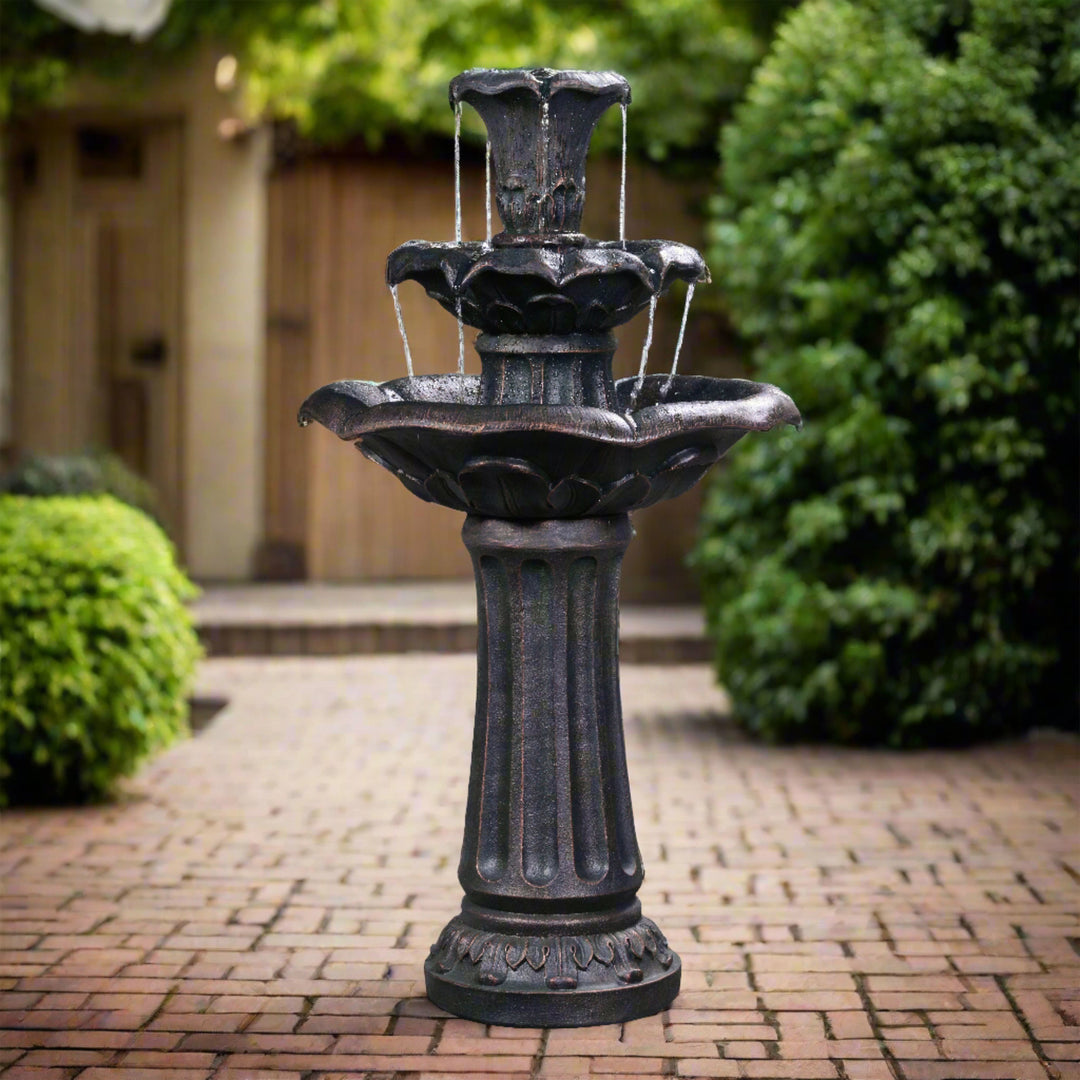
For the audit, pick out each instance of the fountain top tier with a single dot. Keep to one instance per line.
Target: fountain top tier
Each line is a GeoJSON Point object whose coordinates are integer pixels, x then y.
{"type": "Point", "coordinates": [541, 275]}
{"type": "Point", "coordinates": [539, 123]}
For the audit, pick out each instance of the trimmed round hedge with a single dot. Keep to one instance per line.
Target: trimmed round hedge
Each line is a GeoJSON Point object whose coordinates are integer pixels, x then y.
{"type": "Point", "coordinates": [898, 236]}
{"type": "Point", "coordinates": [97, 648]}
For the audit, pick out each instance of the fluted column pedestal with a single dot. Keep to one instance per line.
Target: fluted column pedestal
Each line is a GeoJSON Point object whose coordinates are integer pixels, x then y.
{"type": "Point", "coordinates": [550, 932]}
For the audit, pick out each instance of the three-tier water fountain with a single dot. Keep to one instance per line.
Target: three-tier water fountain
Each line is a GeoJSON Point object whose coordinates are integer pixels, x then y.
{"type": "Point", "coordinates": [547, 455]}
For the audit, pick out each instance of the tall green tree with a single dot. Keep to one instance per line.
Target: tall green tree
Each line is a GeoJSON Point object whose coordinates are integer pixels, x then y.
{"type": "Point", "coordinates": [899, 237]}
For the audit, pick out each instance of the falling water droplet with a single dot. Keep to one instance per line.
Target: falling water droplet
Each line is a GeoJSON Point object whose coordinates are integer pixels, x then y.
{"type": "Point", "coordinates": [487, 187]}
{"type": "Point", "coordinates": [678, 344]}
{"type": "Point", "coordinates": [622, 181]}
{"type": "Point", "coordinates": [644, 353]}
{"type": "Point", "coordinates": [457, 172]}
{"type": "Point", "coordinates": [460, 340]}
{"type": "Point", "coordinates": [401, 328]}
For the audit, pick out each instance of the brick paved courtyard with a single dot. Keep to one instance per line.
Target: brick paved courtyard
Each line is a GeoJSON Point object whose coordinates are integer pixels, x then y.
{"type": "Point", "coordinates": [261, 901]}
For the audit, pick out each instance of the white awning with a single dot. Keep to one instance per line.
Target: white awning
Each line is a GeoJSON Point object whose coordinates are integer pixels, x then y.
{"type": "Point", "coordinates": [139, 18]}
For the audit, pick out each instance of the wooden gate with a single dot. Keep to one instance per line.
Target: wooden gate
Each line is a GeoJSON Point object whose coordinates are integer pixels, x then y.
{"type": "Point", "coordinates": [96, 303]}
{"type": "Point", "coordinates": [330, 316]}
{"type": "Point", "coordinates": [331, 515]}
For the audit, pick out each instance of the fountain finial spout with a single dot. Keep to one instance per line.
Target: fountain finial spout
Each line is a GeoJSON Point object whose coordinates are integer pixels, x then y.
{"type": "Point", "coordinates": [540, 123]}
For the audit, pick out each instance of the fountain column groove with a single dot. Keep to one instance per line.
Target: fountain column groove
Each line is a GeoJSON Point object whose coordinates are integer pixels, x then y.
{"type": "Point", "coordinates": [549, 816]}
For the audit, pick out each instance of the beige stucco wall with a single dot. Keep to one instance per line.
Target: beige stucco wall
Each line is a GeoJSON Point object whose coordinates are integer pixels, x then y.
{"type": "Point", "coordinates": [223, 318]}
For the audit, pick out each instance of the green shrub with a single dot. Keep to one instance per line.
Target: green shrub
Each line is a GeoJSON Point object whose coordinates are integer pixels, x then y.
{"type": "Point", "coordinates": [899, 236]}
{"type": "Point", "coordinates": [97, 650]}
{"type": "Point", "coordinates": [80, 474]}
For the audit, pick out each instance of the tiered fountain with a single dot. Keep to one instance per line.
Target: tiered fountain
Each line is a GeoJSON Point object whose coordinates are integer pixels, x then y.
{"type": "Point", "coordinates": [547, 455]}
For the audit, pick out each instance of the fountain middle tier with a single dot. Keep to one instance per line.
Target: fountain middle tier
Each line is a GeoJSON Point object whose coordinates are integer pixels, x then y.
{"type": "Point", "coordinates": [587, 286]}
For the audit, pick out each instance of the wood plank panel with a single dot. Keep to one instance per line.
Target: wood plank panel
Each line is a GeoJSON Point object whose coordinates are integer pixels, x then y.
{"type": "Point", "coordinates": [359, 523]}
{"type": "Point", "coordinates": [97, 280]}
{"type": "Point", "coordinates": [364, 524]}
{"type": "Point", "coordinates": [42, 296]}
{"type": "Point", "coordinates": [288, 381]}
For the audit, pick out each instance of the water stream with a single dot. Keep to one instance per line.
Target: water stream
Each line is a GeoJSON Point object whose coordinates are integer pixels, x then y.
{"type": "Point", "coordinates": [644, 353]}
{"type": "Point", "coordinates": [457, 239]}
{"type": "Point", "coordinates": [545, 121]}
{"type": "Point", "coordinates": [622, 181]}
{"type": "Point", "coordinates": [457, 172]}
{"type": "Point", "coordinates": [401, 328]}
{"type": "Point", "coordinates": [487, 188]}
{"type": "Point", "coordinates": [678, 344]}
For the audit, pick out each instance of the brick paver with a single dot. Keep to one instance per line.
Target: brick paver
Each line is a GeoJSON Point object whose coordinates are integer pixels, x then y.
{"type": "Point", "coordinates": [260, 901]}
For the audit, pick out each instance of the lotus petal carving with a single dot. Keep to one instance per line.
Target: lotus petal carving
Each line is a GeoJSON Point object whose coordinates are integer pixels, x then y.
{"type": "Point", "coordinates": [560, 961]}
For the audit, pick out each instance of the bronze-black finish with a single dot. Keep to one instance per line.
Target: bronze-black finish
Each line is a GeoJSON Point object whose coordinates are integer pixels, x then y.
{"type": "Point", "coordinates": [547, 454]}
{"type": "Point", "coordinates": [539, 122]}
{"type": "Point", "coordinates": [548, 460]}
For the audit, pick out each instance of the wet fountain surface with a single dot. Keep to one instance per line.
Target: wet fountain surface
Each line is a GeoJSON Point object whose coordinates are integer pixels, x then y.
{"type": "Point", "coordinates": [547, 454]}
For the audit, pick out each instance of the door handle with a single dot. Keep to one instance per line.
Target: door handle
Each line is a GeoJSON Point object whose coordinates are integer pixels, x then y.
{"type": "Point", "coordinates": [150, 352]}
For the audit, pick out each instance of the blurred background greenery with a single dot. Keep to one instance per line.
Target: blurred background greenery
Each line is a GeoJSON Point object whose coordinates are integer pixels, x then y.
{"type": "Point", "coordinates": [372, 68]}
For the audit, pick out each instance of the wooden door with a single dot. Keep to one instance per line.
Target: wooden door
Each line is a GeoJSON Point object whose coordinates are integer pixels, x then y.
{"type": "Point", "coordinates": [97, 296]}
{"type": "Point", "coordinates": [331, 515]}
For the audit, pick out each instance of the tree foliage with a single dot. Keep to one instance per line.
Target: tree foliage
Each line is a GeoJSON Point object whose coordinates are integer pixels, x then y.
{"type": "Point", "coordinates": [347, 68]}
{"type": "Point", "coordinates": [899, 236]}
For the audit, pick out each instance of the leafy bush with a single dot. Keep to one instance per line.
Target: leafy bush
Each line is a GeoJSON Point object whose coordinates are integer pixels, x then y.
{"type": "Point", "coordinates": [97, 649]}
{"type": "Point", "coordinates": [80, 474]}
{"type": "Point", "coordinates": [899, 236]}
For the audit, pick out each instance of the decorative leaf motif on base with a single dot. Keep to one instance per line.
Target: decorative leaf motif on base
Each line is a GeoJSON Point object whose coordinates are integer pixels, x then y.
{"type": "Point", "coordinates": [495, 955]}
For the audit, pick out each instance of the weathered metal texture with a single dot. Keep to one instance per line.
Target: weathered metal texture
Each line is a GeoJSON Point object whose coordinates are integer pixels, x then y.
{"type": "Point", "coordinates": [540, 123]}
{"type": "Point", "coordinates": [571, 369]}
{"type": "Point", "coordinates": [550, 933]}
{"type": "Point", "coordinates": [587, 286]}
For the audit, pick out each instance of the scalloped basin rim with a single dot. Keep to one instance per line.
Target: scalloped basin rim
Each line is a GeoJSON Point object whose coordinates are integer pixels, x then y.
{"type": "Point", "coordinates": [461, 261]}
{"type": "Point", "coordinates": [347, 409]}
{"type": "Point", "coordinates": [543, 82]}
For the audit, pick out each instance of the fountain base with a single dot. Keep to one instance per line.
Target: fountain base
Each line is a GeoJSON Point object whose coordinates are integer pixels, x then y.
{"type": "Point", "coordinates": [550, 932]}
{"type": "Point", "coordinates": [559, 970]}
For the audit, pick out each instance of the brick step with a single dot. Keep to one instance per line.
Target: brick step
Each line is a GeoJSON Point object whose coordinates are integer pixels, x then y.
{"type": "Point", "coordinates": [438, 617]}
